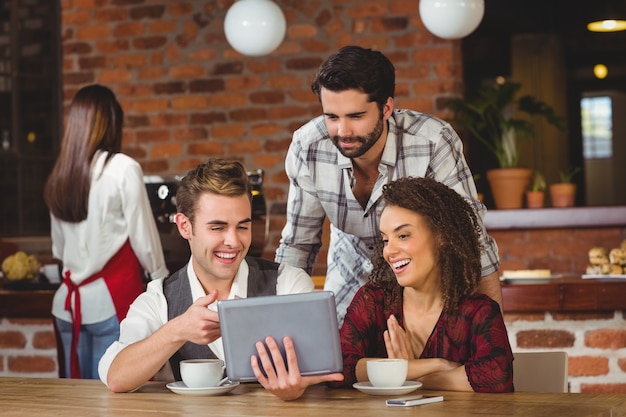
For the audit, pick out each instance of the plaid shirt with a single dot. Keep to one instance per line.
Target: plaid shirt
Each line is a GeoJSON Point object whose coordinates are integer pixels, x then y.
{"type": "Point", "coordinates": [321, 181]}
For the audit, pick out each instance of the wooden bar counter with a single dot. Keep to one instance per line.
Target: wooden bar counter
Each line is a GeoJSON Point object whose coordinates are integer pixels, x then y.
{"type": "Point", "coordinates": [25, 303]}
{"type": "Point", "coordinates": [559, 233]}
{"type": "Point", "coordinates": [567, 294]}
{"type": "Point", "coordinates": [564, 294]}
{"type": "Point", "coordinates": [63, 397]}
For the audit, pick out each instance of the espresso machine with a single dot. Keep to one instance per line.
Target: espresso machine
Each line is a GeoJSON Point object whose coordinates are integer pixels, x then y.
{"type": "Point", "coordinates": [260, 218]}
{"type": "Point", "coordinates": [162, 195]}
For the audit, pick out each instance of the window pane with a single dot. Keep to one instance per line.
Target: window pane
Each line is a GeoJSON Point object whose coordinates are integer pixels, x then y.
{"type": "Point", "coordinates": [597, 127]}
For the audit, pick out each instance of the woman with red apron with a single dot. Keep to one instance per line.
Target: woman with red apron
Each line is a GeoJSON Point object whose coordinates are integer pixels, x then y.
{"type": "Point", "coordinates": [102, 229]}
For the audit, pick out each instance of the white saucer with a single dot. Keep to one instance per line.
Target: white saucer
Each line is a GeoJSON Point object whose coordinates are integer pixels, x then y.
{"type": "Point", "coordinates": [179, 387]}
{"type": "Point", "coordinates": [407, 387]}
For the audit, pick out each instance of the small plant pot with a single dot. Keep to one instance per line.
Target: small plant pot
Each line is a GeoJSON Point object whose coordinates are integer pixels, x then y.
{"type": "Point", "coordinates": [535, 199]}
{"type": "Point", "coordinates": [563, 194]}
{"type": "Point", "coordinates": [508, 186]}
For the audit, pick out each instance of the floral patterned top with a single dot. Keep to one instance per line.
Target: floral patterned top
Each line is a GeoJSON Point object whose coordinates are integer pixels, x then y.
{"type": "Point", "coordinates": [474, 335]}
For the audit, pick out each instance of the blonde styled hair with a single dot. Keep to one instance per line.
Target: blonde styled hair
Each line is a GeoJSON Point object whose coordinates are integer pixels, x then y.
{"type": "Point", "coordinates": [216, 176]}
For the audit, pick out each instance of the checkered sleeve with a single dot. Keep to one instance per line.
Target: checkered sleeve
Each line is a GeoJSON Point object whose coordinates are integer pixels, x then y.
{"type": "Point", "coordinates": [301, 237]}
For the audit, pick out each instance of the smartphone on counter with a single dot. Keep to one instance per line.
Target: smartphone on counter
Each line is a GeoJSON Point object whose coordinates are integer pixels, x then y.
{"type": "Point", "coordinates": [414, 400]}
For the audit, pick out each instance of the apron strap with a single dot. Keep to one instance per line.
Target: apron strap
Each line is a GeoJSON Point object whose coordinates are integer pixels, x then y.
{"type": "Point", "coordinates": [123, 276]}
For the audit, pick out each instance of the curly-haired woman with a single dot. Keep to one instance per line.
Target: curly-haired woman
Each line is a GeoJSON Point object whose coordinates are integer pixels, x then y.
{"type": "Point", "coordinates": [421, 301]}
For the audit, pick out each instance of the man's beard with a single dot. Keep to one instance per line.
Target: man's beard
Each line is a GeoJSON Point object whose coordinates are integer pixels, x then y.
{"type": "Point", "coordinates": [366, 142]}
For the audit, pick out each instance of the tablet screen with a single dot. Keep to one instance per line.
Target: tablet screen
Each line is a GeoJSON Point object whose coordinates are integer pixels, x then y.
{"type": "Point", "coordinates": [309, 319]}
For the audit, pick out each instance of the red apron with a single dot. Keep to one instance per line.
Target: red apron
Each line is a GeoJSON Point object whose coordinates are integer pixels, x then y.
{"type": "Point", "coordinates": [123, 277]}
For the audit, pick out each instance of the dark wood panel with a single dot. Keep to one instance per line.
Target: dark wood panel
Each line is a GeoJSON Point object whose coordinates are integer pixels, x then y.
{"type": "Point", "coordinates": [26, 304]}
{"type": "Point", "coordinates": [539, 297]}
{"type": "Point", "coordinates": [565, 295]}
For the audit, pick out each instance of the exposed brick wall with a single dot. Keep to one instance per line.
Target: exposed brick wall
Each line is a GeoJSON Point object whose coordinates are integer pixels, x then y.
{"type": "Point", "coordinates": [595, 343]}
{"type": "Point", "coordinates": [560, 250]}
{"type": "Point", "coordinates": [28, 348]}
{"type": "Point", "coordinates": [188, 96]}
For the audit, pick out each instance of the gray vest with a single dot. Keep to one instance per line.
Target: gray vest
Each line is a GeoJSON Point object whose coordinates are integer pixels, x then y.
{"type": "Point", "coordinates": [261, 281]}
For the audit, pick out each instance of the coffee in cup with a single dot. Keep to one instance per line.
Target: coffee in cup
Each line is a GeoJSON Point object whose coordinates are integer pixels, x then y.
{"type": "Point", "coordinates": [202, 373]}
{"type": "Point", "coordinates": [387, 372]}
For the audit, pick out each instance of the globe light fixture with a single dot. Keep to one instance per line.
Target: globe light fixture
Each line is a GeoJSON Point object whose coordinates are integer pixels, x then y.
{"type": "Point", "coordinates": [254, 27]}
{"type": "Point", "coordinates": [451, 19]}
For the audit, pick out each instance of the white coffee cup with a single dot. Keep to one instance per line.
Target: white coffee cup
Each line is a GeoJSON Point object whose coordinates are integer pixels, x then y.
{"type": "Point", "coordinates": [51, 271]}
{"type": "Point", "coordinates": [202, 373]}
{"type": "Point", "coordinates": [387, 372]}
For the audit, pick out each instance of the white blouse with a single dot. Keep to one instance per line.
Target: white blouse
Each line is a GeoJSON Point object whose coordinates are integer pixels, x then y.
{"type": "Point", "coordinates": [118, 210]}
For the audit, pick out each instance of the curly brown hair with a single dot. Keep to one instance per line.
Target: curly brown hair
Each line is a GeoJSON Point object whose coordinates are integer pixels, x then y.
{"type": "Point", "coordinates": [455, 229]}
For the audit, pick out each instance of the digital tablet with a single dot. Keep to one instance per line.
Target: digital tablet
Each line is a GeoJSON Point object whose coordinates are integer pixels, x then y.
{"type": "Point", "coordinates": [310, 319]}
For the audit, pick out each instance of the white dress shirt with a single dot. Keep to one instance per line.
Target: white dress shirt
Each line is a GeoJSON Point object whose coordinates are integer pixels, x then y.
{"type": "Point", "coordinates": [149, 311]}
{"type": "Point", "coordinates": [118, 210]}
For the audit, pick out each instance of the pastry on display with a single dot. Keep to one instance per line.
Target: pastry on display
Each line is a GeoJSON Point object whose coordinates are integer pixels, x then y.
{"type": "Point", "coordinates": [617, 256]}
{"type": "Point", "coordinates": [20, 266]}
{"type": "Point", "coordinates": [602, 269]}
{"type": "Point", "coordinates": [526, 273]}
{"type": "Point", "coordinates": [598, 255]}
{"type": "Point", "coordinates": [603, 261]}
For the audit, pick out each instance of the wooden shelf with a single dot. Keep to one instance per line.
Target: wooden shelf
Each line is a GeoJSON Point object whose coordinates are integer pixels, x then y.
{"type": "Point", "coordinates": [573, 217]}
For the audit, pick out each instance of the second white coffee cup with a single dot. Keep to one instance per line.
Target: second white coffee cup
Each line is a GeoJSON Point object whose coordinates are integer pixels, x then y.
{"type": "Point", "coordinates": [387, 372]}
{"type": "Point", "coordinates": [51, 271]}
{"type": "Point", "coordinates": [202, 373]}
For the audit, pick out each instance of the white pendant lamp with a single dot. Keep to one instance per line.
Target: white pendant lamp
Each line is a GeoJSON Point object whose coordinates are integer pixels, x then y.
{"type": "Point", "coordinates": [255, 27]}
{"type": "Point", "coordinates": [451, 19]}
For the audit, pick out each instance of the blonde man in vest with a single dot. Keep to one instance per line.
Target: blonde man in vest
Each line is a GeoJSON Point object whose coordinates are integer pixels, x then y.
{"type": "Point", "coordinates": [176, 317]}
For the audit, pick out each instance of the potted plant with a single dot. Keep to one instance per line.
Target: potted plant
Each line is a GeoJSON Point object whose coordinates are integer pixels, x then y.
{"type": "Point", "coordinates": [563, 193]}
{"type": "Point", "coordinates": [488, 116]}
{"type": "Point", "coordinates": [536, 195]}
